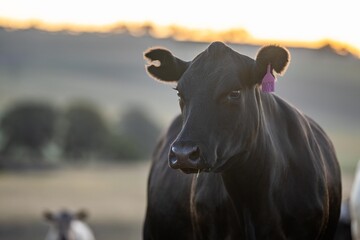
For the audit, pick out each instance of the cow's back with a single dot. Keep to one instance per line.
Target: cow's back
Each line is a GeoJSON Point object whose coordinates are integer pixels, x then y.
{"type": "Point", "coordinates": [332, 173]}
{"type": "Point", "coordinates": [319, 174]}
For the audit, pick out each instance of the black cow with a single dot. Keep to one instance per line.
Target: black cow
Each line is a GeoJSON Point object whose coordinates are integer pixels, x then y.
{"type": "Point", "coordinates": [251, 165]}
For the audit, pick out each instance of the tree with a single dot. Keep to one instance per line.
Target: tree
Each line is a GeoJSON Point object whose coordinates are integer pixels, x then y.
{"type": "Point", "coordinates": [85, 132]}
{"type": "Point", "coordinates": [137, 127]}
{"type": "Point", "coordinates": [30, 125]}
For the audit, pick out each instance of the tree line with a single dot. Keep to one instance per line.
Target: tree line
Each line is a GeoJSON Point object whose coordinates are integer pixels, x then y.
{"type": "Point", "coordinates": [30, 130]}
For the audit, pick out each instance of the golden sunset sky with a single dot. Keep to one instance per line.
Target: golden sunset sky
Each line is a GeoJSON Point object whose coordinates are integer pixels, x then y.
{"type": "Point", "coordinates": [305, 21]}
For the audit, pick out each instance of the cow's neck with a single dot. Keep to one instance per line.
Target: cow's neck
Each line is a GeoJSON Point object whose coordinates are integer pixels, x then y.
{"type": "Point", "coordinates": [212, 215]}
{"type": "Point", "coordinates": [249, 182]}
{"type": "Point", "coordinates": [250, 188]}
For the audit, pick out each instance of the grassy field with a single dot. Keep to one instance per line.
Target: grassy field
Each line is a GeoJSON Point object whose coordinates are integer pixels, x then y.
{"type": "Point", "coordinates": [114, 195]}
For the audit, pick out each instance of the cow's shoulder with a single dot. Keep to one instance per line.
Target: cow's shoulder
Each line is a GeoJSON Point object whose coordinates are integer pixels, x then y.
{"type": "Point", "coordinates": [301, 124]}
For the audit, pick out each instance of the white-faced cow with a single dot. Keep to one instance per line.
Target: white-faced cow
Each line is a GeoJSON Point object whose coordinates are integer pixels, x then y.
{"type": "Point", "coordinates": [65, 225]}
{"type": "Point", "coordinates": [251, 165]}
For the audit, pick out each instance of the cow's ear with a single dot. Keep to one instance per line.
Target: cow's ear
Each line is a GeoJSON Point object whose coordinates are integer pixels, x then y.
{"type": "Point", "coordinates": [82, 214]}
{"type": "Point", "coordinates": [164, 66]}
{"type": "Point", "coordinates": [275, 56]}
{"type": "Point", "coordinates": [48, 216]}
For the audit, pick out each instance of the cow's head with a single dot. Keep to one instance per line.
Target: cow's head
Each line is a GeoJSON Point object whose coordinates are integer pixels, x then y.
{"type": "Point", "coordinates": [219, 93]}
{"type": "Point", "coordinates": [61, 224]}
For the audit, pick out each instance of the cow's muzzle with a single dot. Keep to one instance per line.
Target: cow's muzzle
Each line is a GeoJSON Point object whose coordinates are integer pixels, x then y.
{"type": "Point", "coordinates": [187, 157]}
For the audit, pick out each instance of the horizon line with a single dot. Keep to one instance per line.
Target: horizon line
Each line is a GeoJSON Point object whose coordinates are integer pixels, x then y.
{"type": "Point", "coordinates": [177, 32]}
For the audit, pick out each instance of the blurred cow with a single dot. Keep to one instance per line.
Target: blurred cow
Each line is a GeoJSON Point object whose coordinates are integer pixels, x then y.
{"type": "Point", "coordinates": [343, 231]}
{"type": "Point", "coordinates": [65, 225]}
{"type": "Point", "coordinates": [355, 205]}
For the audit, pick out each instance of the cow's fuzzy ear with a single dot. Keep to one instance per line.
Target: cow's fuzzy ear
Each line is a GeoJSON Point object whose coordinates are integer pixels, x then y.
{"type": "Point", "coordinates": [48, 216]}
{"type": "Point", "coordinates": [163, 65]}
{"type": "Point", "coordinates": [82, 214]}
{"type": "Point", "coordinates": [278, 58]}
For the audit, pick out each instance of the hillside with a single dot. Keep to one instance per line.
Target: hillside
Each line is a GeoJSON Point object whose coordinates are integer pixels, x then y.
{"type": "Point", "coordinates": [108, 69]}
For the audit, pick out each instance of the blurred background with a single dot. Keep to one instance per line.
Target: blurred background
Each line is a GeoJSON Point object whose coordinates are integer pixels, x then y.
{"type": "Point", "coordinates": [79, 116]}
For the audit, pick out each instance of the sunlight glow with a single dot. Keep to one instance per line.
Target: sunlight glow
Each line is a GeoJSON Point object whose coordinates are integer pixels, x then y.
{"type": "Point", "coordinates": [295, 23]}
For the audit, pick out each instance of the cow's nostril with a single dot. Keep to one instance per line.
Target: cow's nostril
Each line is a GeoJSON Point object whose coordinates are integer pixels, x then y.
{"type": "Point", "coordinates": [195, 154]}
{"type": "Point", "coordinates": [185, 156]}
{"type": "Point", "coordinates": [172, 156]}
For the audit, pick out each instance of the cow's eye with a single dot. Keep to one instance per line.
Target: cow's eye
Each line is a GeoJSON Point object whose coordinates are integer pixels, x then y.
{"type": "Point", "coordinates": [234, 95]}
{"type": "Point", "coordinates": [181, 101]}
{"type": "Point", "coordinates": [179, 95]}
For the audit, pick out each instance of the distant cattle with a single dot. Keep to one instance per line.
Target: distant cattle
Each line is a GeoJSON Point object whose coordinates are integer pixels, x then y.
{"type": "Point", "coordinates": [65, 225]}
{"type": "Point", "coordinates": [251, 165]}
{"type": "Point", "coordinates": [355, 205]}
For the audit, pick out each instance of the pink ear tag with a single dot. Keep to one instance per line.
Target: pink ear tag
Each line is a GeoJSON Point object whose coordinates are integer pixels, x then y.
{"type": "Point", "coordinates": [268, 82]}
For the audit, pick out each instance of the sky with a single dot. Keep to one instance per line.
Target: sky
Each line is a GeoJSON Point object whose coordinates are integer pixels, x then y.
{"type": "Point", "coordinates": [286, 20]}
